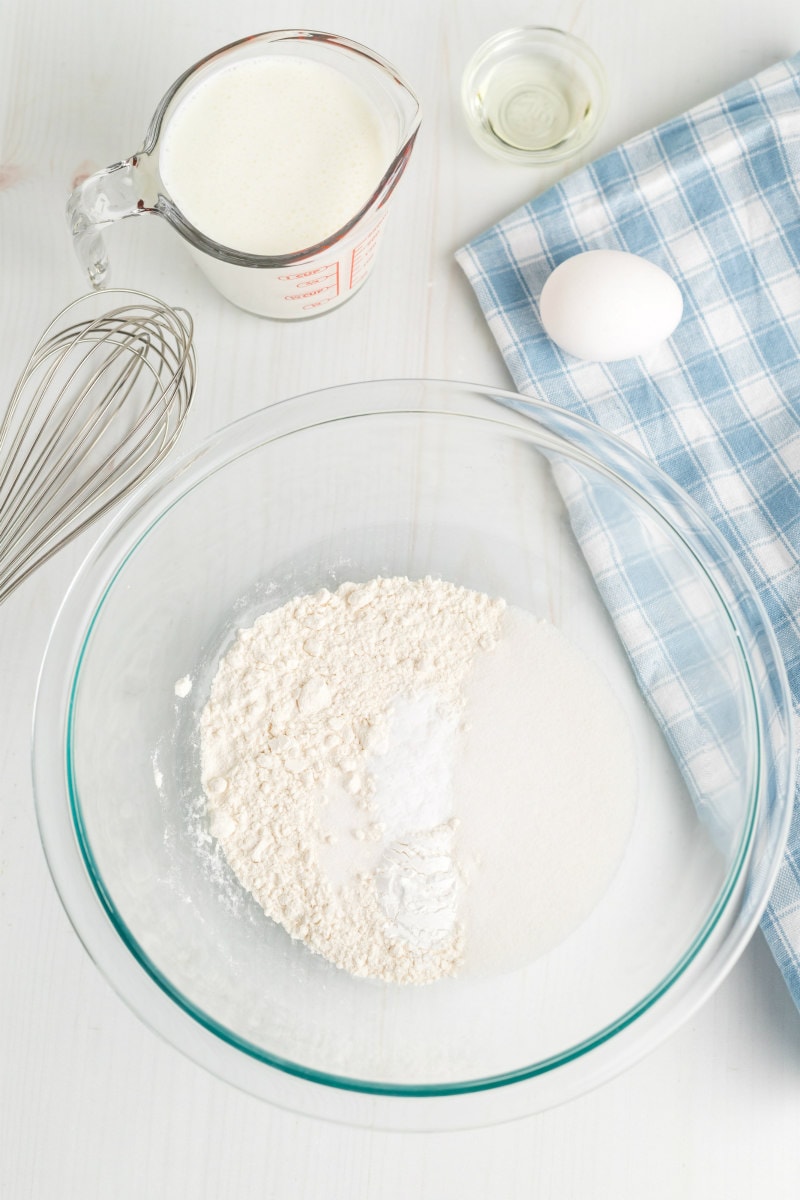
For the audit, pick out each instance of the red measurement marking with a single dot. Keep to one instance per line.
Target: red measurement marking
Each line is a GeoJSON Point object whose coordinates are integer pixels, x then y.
{"type": "Point", "coordinates": [309, 281]}
{"type": "Point", "coordinates": [299, 274]}
{"type": "Point", "coordinates": [311, 273]}
{"type": "Point", "coordinates": [329, 280]}
{"type": "Point", "coordinates": [312, 292]}
{"type": "Point", "coordinates": [362, 255]}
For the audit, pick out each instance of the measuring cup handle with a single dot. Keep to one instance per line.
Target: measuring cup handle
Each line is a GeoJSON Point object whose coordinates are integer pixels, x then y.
{"type": "Point", "coordinates": [120, 190]}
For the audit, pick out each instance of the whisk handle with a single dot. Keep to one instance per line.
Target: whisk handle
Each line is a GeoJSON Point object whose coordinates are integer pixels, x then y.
{"type": "Point", "coordinates": [121, 190]}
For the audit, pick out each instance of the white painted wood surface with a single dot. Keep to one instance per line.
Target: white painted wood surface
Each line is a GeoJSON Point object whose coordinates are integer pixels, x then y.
{"type": "Point", "coordinates": [91, 1103]}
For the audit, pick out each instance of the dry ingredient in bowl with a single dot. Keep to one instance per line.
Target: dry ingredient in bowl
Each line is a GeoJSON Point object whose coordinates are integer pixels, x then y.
{"type": "Point", "coordinates": [390, 770]}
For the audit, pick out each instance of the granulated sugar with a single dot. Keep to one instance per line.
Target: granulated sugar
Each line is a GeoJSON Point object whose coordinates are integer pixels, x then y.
{"type": "Point", "coordinates": [546, 786]}
{"type": "Point", "coordinates": [414, 780]}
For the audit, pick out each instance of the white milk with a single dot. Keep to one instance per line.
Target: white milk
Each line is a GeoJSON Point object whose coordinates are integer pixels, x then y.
{"type": "Point", "coordinates": [273, 154]}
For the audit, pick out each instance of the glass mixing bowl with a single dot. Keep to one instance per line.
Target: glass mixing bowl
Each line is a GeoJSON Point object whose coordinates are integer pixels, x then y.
{"type": "Point", "coordinates": [495, 492]}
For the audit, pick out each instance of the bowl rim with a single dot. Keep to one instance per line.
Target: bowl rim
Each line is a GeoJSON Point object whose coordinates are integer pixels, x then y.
{"type": "Point", "coordinates": [54, 718]}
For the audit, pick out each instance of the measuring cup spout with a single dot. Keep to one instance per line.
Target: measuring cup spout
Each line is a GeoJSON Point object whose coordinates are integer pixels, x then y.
{"type": "Point", "coordinates": [121, 190]}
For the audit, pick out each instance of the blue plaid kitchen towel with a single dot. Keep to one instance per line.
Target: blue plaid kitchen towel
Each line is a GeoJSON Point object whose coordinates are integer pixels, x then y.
{"type": "Point", "coordinates": [713, 197]}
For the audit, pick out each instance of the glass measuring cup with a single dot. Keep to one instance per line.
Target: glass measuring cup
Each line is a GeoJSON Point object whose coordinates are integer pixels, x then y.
{"type": "Point", "coordinates": [310, 279]}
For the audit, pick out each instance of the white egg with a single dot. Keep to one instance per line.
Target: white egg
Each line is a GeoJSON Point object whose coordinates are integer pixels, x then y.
{"type": "Point", "coordinates": [607, 305]}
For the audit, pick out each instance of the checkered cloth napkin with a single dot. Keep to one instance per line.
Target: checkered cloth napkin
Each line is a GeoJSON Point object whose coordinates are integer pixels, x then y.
{"type": "Point", "coordinates": [713, 197]}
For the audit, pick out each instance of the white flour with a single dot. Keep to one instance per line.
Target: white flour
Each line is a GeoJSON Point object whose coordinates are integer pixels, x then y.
{"type": "Point", "coordinates": [391, 771]}
{"type": "Point", "coordinates": [310, 708]}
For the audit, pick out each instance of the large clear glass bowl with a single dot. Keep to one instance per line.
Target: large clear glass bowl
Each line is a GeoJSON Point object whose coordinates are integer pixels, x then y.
{"type": "Point", "coordinates": [506, 495]}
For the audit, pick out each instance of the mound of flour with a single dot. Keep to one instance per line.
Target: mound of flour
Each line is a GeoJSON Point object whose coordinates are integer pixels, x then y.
{"type": "Point", "coordinates": [328, 746]}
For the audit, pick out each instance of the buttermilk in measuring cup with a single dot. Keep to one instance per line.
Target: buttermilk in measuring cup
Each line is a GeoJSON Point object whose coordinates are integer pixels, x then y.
{"type": "Point", "coordinates": [274, 160]}
{"type": "Point", "coordinates": [273, 155]}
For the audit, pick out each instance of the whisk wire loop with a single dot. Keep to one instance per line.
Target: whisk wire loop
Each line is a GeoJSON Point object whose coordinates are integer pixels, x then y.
{"type": "Point", "coordinates": [98, 406]}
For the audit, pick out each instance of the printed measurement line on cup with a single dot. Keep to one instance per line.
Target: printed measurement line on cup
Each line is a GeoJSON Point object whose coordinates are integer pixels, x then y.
{"type": "Point", "coordinates": [362, 255]}
{"type": "Point", "coordinates": [316, 281]}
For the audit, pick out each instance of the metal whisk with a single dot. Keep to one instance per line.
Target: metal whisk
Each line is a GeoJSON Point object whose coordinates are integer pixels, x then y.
{"type": "Point", "coordinates": [98, 406]}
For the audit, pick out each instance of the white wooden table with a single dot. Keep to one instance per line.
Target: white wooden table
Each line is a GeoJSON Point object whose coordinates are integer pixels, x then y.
{"type": "Point", "coordinates": [93, 1105]}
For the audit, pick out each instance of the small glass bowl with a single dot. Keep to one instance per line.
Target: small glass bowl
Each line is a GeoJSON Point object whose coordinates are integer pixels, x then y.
{"type": "Point", "coordinates": [534, 95]}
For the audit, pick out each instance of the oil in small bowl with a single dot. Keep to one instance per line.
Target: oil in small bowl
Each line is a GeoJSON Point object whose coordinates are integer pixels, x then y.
{"type": "Point", "coordinates": [534, 95]}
